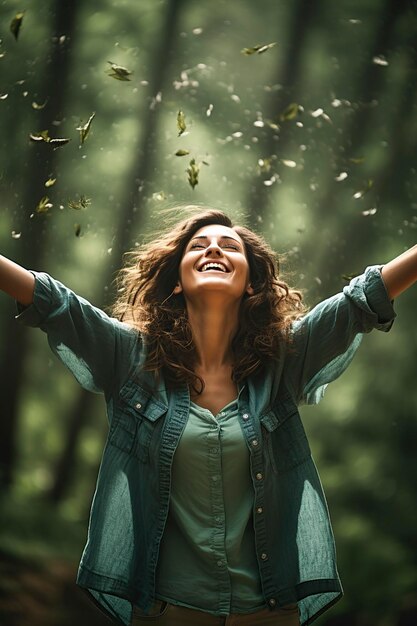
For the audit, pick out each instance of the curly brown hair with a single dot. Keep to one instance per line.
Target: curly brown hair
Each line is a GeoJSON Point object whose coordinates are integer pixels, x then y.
{"type": "Point", "coordinates": [146, 302]}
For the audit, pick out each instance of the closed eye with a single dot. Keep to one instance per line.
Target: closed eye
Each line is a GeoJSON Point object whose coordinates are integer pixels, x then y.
{"type": "Point", "coordinates": [200, 246]}
{"type": "Point", "coordinates": [196, 245]}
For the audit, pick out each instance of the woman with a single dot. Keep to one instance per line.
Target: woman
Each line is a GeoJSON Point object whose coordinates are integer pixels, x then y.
{"type": "Point", "coordinates": [208, 508]}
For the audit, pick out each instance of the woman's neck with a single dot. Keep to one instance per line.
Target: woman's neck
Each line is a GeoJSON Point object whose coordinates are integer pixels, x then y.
{"type": "Point", "coordinates": [213, 329]}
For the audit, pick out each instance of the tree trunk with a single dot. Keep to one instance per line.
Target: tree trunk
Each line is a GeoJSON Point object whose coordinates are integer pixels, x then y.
{"type": "Point", "coordinates": [305, 14]}
{"type": "Point", "coordinates": [129, 221]}
{"type": "Point", "coordinates": [40, 163]}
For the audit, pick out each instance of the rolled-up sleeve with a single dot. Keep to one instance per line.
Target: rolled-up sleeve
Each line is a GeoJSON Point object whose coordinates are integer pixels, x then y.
{"type": "Point", "coordinates": [326, 339]}
{"type": "Point", "coordinates": [98, 350]}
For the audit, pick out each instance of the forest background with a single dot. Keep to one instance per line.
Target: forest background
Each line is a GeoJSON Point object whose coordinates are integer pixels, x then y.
{"type": "Point", "coordinates": [311, 141]}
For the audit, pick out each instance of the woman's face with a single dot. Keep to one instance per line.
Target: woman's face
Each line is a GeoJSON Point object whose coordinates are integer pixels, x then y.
{"type": "Point", "coordinates": [214, 261]}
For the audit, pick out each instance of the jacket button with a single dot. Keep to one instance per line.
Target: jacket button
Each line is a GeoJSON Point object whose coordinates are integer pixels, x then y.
{"type": "Point", "coordinates": [264, 556]}
{"type": "Point", "coordinates": [245, 416]}
{"type": "Point", "coordinates": [138, 405]}
{"type": "Point", "coordinates": [259, 509]}
{"type": "Point", "coordinates": [255, 442]}
{"type": "Point", "coordinates": [259, 476]}
{"type": "Point", "coordinates": [272, 602]}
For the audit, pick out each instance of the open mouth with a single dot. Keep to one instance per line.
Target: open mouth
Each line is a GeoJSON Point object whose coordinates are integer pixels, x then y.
{"type": "Point", "coordinates": [213, 266]}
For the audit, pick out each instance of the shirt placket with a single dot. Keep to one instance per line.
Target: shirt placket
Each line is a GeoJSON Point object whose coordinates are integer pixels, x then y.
{"type": "Point", "coordinates": [218, 517]}
{"type": "Point", "coordinates": [253, 439]}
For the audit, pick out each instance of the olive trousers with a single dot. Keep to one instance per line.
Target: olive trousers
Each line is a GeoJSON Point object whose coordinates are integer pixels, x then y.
{"type": "Point", "coordinates": [165, 614]}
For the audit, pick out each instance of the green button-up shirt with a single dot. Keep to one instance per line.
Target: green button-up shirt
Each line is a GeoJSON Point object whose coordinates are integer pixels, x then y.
{"type": "Point", "coordinates": [209, 528]}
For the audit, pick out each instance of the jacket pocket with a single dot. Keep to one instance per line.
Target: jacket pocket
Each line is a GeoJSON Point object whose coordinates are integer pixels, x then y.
{"type": "Point", "coordinates": [285, 441]}
{"type": "Point", "coordinates": [136, 419]}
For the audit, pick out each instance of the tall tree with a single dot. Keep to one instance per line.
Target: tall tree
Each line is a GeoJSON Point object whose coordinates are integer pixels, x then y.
{"type": "Point", "coordinates": [287, 75]}
{"type": "Point", "coordinates": [129, 221]}
{"type": "Point", "coordinates": [41, 161]}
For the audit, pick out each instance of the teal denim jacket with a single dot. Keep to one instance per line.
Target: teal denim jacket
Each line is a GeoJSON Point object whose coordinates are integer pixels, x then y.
{"type": "Point", "coordinates": [293, 535]}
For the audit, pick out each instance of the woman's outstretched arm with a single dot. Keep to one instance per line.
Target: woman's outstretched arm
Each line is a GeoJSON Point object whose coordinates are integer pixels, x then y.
{"type": "Point", "coordinates": [400, 273]}
{"type": "Point", "coordinates": [16, 281]}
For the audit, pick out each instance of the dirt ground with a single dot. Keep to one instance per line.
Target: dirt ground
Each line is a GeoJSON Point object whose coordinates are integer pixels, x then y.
{"type": "Point", "coordinates": [43, 595]}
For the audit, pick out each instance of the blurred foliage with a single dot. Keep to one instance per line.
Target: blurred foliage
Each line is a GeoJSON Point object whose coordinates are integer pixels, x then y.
{"type": "Point", "coordinates": [314, 142]}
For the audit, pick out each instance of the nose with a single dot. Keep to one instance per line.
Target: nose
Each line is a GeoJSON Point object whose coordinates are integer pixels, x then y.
{"type": "Point", "coordinates": [214, 249]}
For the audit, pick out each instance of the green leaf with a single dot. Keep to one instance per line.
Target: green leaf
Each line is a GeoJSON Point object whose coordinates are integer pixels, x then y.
{"type": "Point", "coordinates": [367, 187]}
{"type": "Point", "coordinates": [39, 107]}
{"type": "Point", "coordinates": [82, 203]}
{"type": "Point", "coordinates": [181, 125]}
{"type": "Point", "coordinates": [181, 153]}
{"type": "Point", "coordinates": [259, 49]}
{"type": "Point", "coordinates": [43, 137]}
{"type": "Point", "coordinates": [291, 112]}
{"type": "Point", "coordinates": [44, 205]}
{"type": "Point", "coordinates": [193, 171]}
{"type": "Point", "coordinates": [16, 24]}
{"type": "Point", "coordinates": [118, 71]}
{"type": "Point", "coordinates": [50, 182]}
{"type": "Point", "coordinates": [85, 128]}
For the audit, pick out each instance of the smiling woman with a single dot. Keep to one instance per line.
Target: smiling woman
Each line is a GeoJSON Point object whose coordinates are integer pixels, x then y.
{"type": "Point", "coordinates": [243, 313]}
{"type": "Point", "coordinates": [208, 508]}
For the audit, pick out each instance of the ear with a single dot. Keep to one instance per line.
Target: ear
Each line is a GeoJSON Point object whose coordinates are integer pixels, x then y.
{"type": "Point", "coordinates": [177, 289]}
{"type": "Point", "coordinates": [249, 290]}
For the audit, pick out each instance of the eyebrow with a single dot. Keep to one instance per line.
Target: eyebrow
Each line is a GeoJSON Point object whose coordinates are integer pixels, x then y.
{"type": "Point", "coordinates": [222, 237]}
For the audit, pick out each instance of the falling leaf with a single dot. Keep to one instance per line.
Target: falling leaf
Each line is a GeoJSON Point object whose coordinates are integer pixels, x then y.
{"type": "Point", "coordinates": [342, 176]}
{"type": "Point", "coordinates": [209, 110]}
{"type": "Point", "coordinates": [82, 203]}
{"type": "Point", "coordinates": [271, 181]}
{"type": "Point", "coordinates": [77, 230]}
{"type": "Point", "coordinates": [357, 160]}
{"type": "Point", "coordinates": [288, 163]}
{"type": "Point", "coordinates": [264, 165]}
{"type": "Point", "coordinates": [181, 125]}
{"type": "Point", "coordinates": [85, 129]}
{"type": "Point", "coordinates": [181, 153]}
{"type": "Point", "coordinates": [50, 182]}
{"type": "Point", "coordinates": [44, 205]}
{"type": "Point", "coordinates": [259, 49]}
{"type": "Point", "coordinates": [16, 235]}
{"type": "Point", "coordinates": [39, 107]}
{"type": "Point", "coordinates": [193, 171]}
{"type": "Point", "coordinates": [16, 24]}
{"type": "Point", "coordinates": [4, 96]}
{"type": "Point", "coordinates": [118, 71]}
{"type": "Point", "coordinates": [290, 112]}
{"type": "Point", "coordinates": [43, 137]}
{"type": "Point", "coordinates": [317, 113]}
{"type": "Point", "coordinates": [364, 191]}
{"type": "Point", "coordinates": [159, 195]}
{"type": "Point", "coordinates": [380, 60]}
{"type": "Point", "coordinates": [369, 212]}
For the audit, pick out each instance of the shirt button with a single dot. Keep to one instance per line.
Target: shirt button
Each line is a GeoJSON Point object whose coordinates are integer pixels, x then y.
{"type": "Point", "coordinates": [255, 442]}
{"type": "Point", "coordinates": [245, 416]}
{"type": "Point", "coordinates": [259, 509]}
{"type": "Point", "coordinates": [138, 405]}
{"type": "Point", "coordinates": [259, 476]}
{"type": "Point", "coordinates": [272, 602]}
